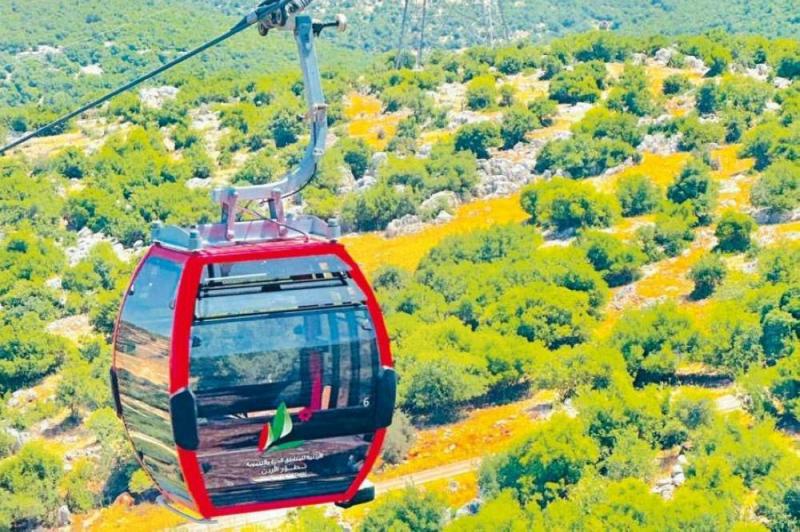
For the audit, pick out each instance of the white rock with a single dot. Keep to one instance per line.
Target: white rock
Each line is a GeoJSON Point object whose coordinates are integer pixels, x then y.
{"type": "Point", "coordinates": [410, 223]}
{"type": "Point", "coordinates": [445, 199]}
{"type": "Point", "coordinates": [155, 97]}
{"type": "Point", "coordinates": [678, 479]}
{"type": "Point", "coordinates": [696, 64]}
{"type": "Point", "coordinates": [378, 158]}
{"type": "Point", "coordinates": [443, 217]}
{"type": "Point", "coordinates": [781, 83]}
{"type": "Point", "coordinates": [663, 55]}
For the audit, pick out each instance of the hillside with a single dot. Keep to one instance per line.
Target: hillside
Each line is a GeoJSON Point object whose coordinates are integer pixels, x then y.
{"type": "Point", "coordinates": [587, 252]}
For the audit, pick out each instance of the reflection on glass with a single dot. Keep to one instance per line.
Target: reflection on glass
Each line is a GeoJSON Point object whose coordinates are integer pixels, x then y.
{"type": "Point", "coordinates": [142, 361]}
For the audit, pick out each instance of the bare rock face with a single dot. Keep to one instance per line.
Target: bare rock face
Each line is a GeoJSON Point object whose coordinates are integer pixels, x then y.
{"type": "Point", "coordinates": [781, 83]}
{"type": "Point", "coordinates": [410, 223]}
{"type": "Point", "coordinates": [443, 200]}
{"type": "Point", "coordinates": [760, 72]}
{"type": "Point", "coordinates": [156, 97]}
{"type": "Point", "coordinates": [696, 64]}
{"type": "Point", "coordinates": [664, 55]}
{"type": "Point", "coordinates": [87, 239]}
{"type": "Point", "coordinates": [659, 143]}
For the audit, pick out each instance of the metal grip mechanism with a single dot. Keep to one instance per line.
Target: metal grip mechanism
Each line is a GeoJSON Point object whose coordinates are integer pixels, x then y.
{"type": "Point", "coordinates": [304, 33]}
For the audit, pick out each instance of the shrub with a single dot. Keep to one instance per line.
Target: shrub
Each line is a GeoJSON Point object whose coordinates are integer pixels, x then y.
{"type": "Point", "coordinates": [778, 188]}
{"type": "Point", "coordinates": [399, 439]}
{"type": "Point", "coordinates": [564, 204]}
{"type": "Point", "coordinates": [637, 195]}
{"type": "Point", "coordinates": [616, 261]}
{"type": "Point", "coordinates": [583, 156]}
{"type": "Point", "coordinates": [478, 138]}
{"type": "Point", "coordinates": [675, 84]}
{"type": "Point", "coordinates": [517, 122]}
{"type": "Point", "coordinates": [733, 231]}
{"type": "Point", "coordinates": [581, 84]}
{"type": "Point", "coordinates": [481, 93]}
{"type": "Point", "coordinates": [707, 274]}
{"type": "Point", "coordinates": [695, 187]}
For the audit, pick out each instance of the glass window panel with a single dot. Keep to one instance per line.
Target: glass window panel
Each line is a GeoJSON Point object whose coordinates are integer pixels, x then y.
{"type": "Point", "coordinates": [142, 362]}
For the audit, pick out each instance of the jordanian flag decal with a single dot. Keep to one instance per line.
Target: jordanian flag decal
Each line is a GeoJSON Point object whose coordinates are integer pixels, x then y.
{"type": "Point", "coordinates": [273, 433]}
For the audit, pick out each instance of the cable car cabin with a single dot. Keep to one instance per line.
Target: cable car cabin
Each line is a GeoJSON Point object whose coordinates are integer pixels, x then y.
{"type": "Point", "coordinates": [254, 376]}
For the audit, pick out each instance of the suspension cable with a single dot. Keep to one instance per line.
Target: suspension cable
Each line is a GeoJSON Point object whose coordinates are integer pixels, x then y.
{"type": "Point", "coordinates": [270, 14]}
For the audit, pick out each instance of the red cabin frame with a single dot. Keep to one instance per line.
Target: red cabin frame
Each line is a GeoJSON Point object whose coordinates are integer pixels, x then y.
{"type": "Point", "coordinates": [192, 264]}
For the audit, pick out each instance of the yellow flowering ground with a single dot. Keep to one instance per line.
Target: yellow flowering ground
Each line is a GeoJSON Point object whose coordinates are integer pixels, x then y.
{"type": "Point", "coordinates": [365, 120]}
{"type": "Point", "coordinates": [373, 250]}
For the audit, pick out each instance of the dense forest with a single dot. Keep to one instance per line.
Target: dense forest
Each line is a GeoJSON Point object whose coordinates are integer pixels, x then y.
{"type": "Point", "coordinates": [649, 284]}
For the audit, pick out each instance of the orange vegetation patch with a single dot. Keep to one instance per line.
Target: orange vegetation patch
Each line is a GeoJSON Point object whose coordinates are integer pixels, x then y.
{"type": "Point", "coordinates": [656, 74]}
{"type": "Point", "coordinates": [358, 105]}
{"type": "Point", "coordinates": [729, 162]}
{"type": "Point", "coordinates": [670, 277]}
{"type": "Point", "coordinates": [661, 169]}
{"type": "Point", "coordinates": [123, 518]}
{"type": "Point", "coordinates": [367, 122]}
{"type": "Point", "coordinates": [373, 250]}
{"type": "Point", "coordinates": [482, 432]}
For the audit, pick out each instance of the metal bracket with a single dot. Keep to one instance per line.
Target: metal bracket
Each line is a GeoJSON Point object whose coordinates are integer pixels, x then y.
{"type": "Point", "coordinates": [278, 226]}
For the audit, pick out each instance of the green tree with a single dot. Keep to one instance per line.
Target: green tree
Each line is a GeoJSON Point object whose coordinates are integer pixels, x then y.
{"type": "Point", "coordinates": [503, 513]}
{"type": "Point", "coordinates": [399, 439]}
{"type": "Point", "coordinates": [478, 138]}
{"type": "Point", "coordinates": [676, 84]}
{"type": "Point", "coordinates": [653, 340]}
{"type": "Point", "coordinates": [581, 84]}
{"type": "Point", "coordinates": [637, 194]}
{"type": "Point", "coordinates": [632, 94]}
{"type": "Point", "coordinates": [552, 315]}
{"type": "Point", "coordinates": [707, 274]}
{"type": "Point", "coordinates": [481, 93]}
{"type": "Point", "coordinates": [547, 463]}
{"type": "Point", "coordinates": [584, 156]}
{"type": "Point", "coordinates": [357, 155]}
{"type": "Point", "coordinates": [616, 261]}
{"type": "Point", "coordinates": [734, 341]}
{"type": "Point", "coordinates": [563, 204]}
{"type": "Point", "coordinates": [733, 231]}
{"type": "Point", "coordinates": [695, 187]}
{"type": "Point", "coordinates": [75, 486]}
{"type": "Point", "coordinates": [311, 519]}
{"type": "Point", "coordinates": [410, 510]}
{"type": "Point", "coordinates": [778, 187]}
{"type": "Point", "coordinates": [29, 484]}
{"type": "Point", "coordinates": [517, 122]}
{"type": "Point", "coordinates": [374, 208]}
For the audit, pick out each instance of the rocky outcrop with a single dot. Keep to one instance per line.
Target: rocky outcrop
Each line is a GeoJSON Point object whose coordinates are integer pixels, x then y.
{"type": "Point", "coordinates": [87, 239]}
{"type": "Point", "coordinates": [156, 97]}
{"type": "Point", "coordinates": [659, 143]}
